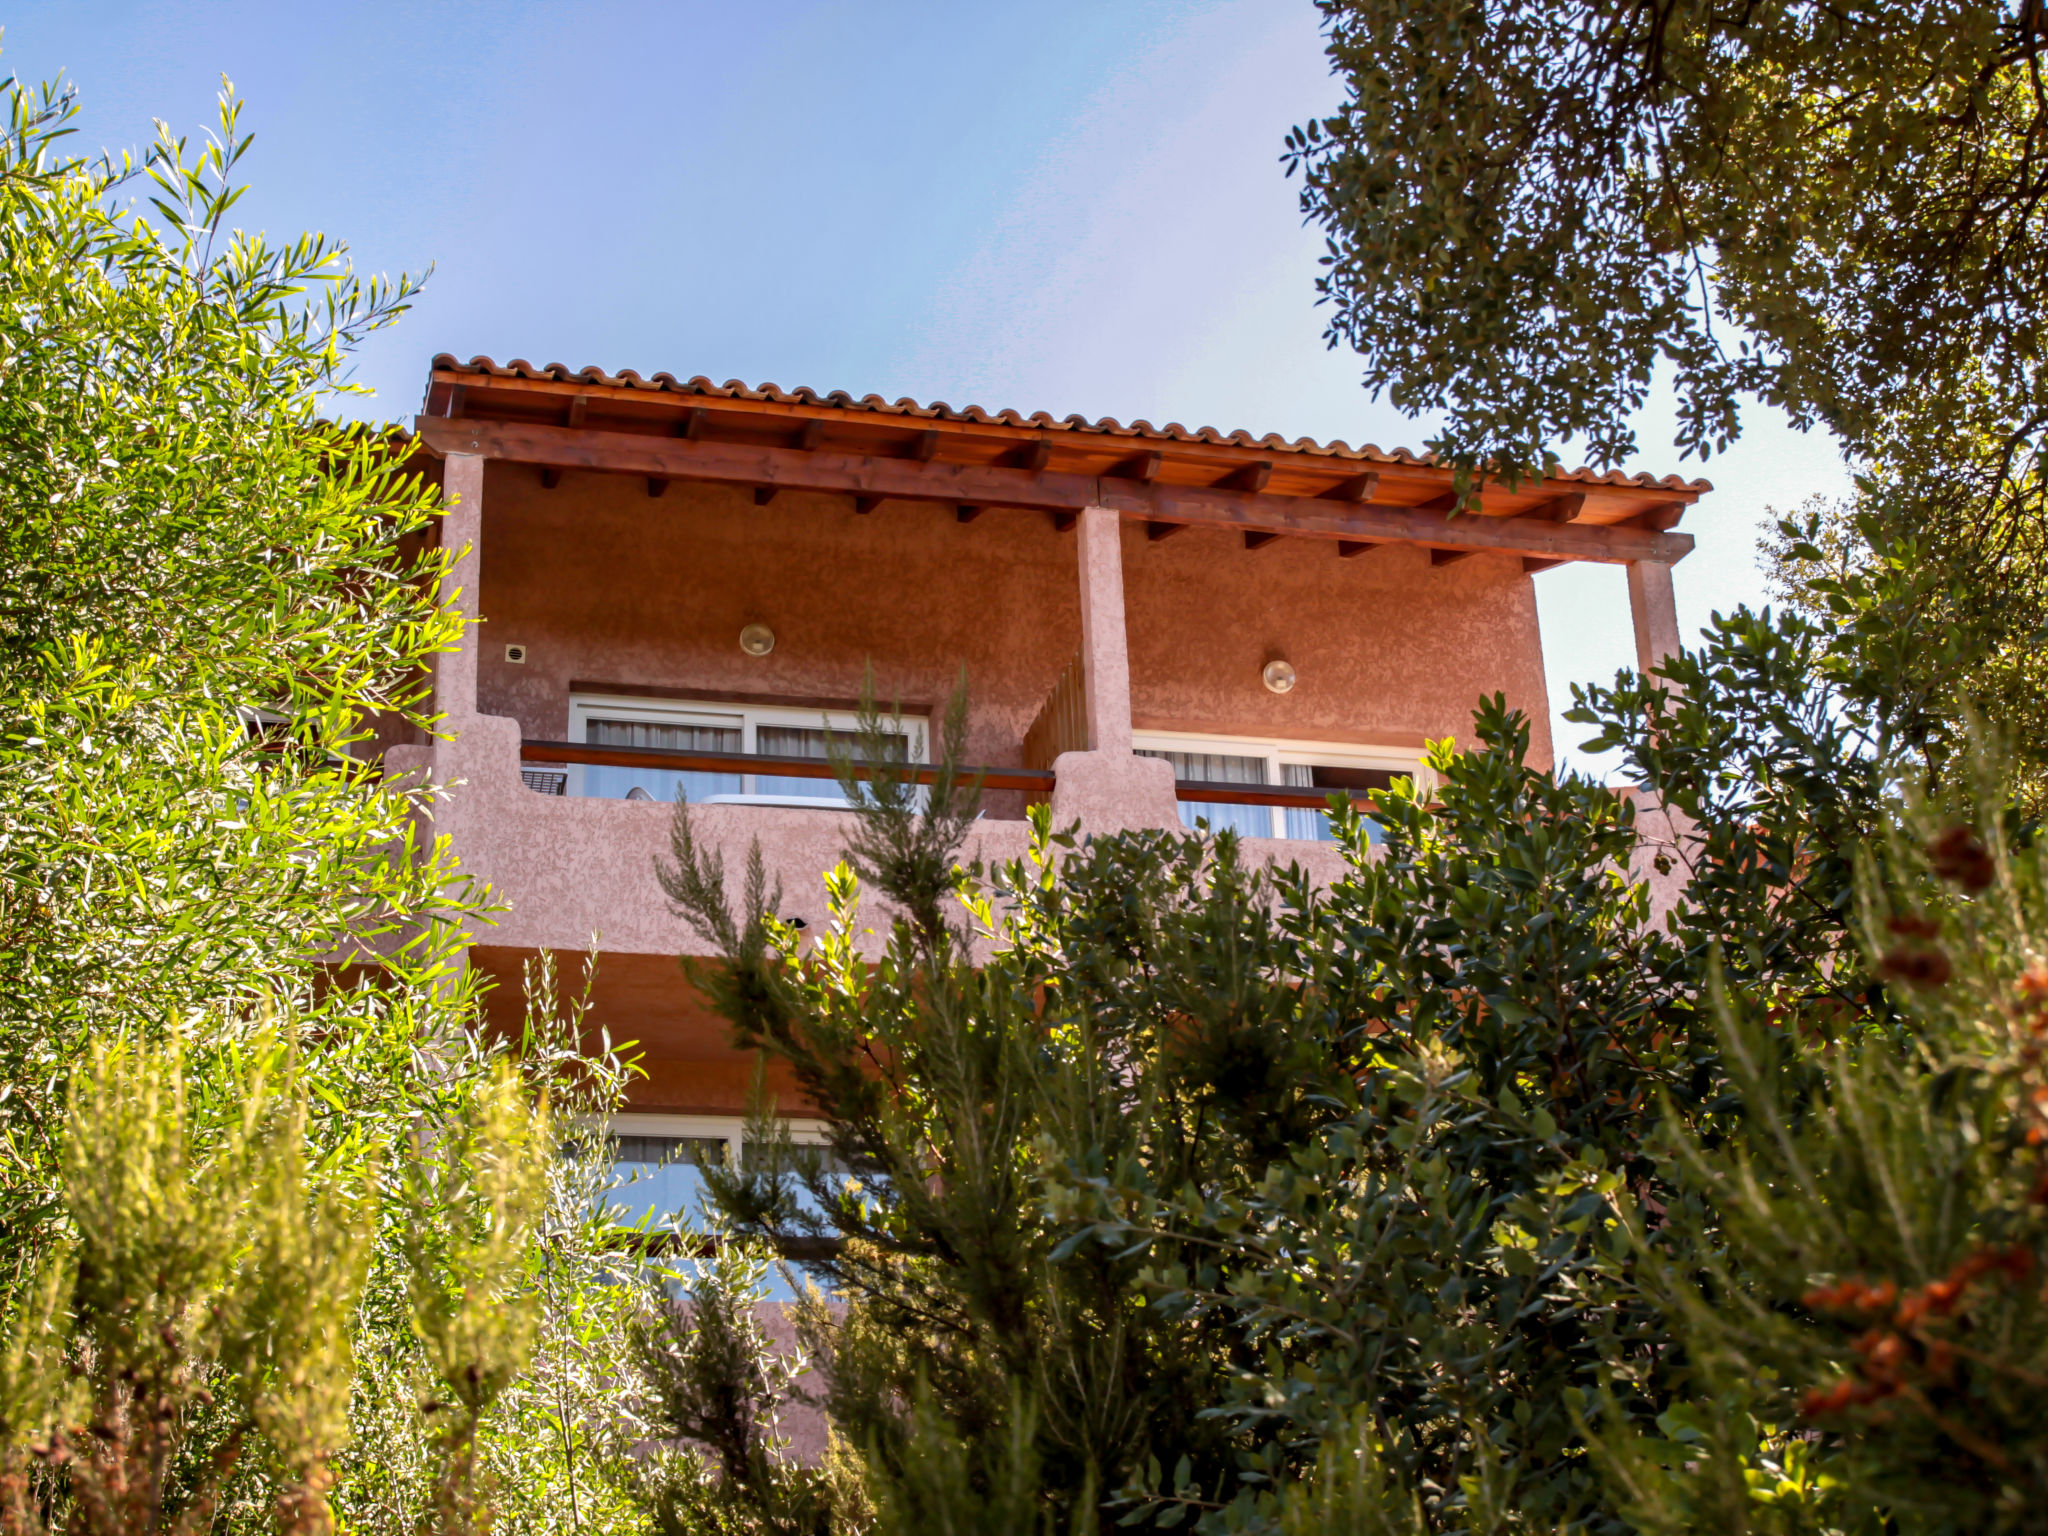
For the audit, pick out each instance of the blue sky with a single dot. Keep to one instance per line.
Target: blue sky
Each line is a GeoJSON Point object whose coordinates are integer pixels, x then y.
{"type": "Point", "coordinates": [1071, 206]}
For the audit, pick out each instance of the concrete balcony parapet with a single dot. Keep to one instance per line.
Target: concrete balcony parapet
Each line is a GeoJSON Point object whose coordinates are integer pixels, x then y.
{"type": "Point", "coordinates": [572, 870]}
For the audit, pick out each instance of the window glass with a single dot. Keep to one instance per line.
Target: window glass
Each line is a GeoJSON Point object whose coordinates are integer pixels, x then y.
{"type": "Point", "coordinates": [807, 741]}
{"type": "Point", "coordinates": [657, 1178]}
{"type": "Point", "coordinates": [1314, 826]}
{"type": "Point", "coordinates": [606, 783]}
{"type": "Point", "coordinates": [1220, 768]}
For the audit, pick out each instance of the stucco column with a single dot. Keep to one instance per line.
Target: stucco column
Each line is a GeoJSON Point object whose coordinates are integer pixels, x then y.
{"type": "Point", "coordinates": [462, 527]}
{"type": "Point", "coordinates": [1105, 648]}
{"type": "Point", "coordinates": [1655, 611]}
{"type": "Point", "coordinates": [1108, 788]}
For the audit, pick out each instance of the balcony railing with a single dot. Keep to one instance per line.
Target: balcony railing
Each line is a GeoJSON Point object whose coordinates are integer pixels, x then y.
{"type": "Point", "coordinates": [767, 764]}
{"type": "Point", "coordinates": [1036, 780]}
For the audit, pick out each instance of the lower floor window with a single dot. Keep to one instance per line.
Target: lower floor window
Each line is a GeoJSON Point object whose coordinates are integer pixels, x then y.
{"type": "Point", "coordinates": [658, 1163]}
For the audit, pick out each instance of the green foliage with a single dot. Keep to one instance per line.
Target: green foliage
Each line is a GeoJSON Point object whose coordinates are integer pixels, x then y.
{"type": "Point", "coordinates": [945, 1079]}
{"type": "Point", "coordinates": [1195, 1163]}
{"type": "Point", "coordinates": [1832, 208]}
{"type": "Point", "coordinates": [211, 597]}
{"type": "Point", "coordinates": [1932, 580]}
{"type": "Point", "coordinates": [210, 1264]}
{"type": "Point", "coordinates": [476, 1198]}
{"type": "Point", "coordinates": [718, 1387]}
{"type": "Point", "coordinates": [214, 606]}
{"type": "Point", "coordinates": [1536, 212]}
{"type": "Point", "coordinates": [1869, 1326]}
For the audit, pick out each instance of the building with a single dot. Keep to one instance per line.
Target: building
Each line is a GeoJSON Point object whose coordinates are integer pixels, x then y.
{"type": "Point", "coordinates": [680, 584]}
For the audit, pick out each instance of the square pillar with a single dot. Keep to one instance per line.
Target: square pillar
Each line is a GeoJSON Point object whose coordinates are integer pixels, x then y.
{"type": "Point", "coordinates": [1655, 611]}
{"type": "Point", "coordinates": [1105, 649]}
{"type": "Point", "coordinates": [462, 526]}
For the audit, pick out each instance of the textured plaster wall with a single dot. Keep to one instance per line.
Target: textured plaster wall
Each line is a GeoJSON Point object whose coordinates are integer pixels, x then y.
{"type": "Point", "coordinates": [1387, 648]}
{"type": "Point", "coordinates": [604, 584]}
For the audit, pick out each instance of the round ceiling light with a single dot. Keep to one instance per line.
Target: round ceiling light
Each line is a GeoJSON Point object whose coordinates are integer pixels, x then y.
{"type": "Point", "coordinates": [1278, 676]}
{"type": "Point", "coordinates": [757, 639]}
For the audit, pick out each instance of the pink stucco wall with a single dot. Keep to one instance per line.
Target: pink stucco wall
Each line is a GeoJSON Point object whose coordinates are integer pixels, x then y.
{"type": "Point", "coordinates": [605, 585]}
{"type": "Point", "coordinates": [602, 583]}
{"type": "Point", "coordinates": [1387, 648]}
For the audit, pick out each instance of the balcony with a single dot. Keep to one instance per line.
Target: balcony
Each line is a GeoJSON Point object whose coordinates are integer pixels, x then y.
{"type": "Point", "coordinates": [574, 867]}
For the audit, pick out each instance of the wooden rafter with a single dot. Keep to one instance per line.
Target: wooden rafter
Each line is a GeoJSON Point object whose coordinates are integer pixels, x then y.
{"type": "Point", "coordinates": [874, 477]}
{"type": "Point", "coordinates": [1559, 509]}
{"type": "Point", "coordinates": [1357, 488]}
{"type": "Point", "coordinates": [1141, 467]}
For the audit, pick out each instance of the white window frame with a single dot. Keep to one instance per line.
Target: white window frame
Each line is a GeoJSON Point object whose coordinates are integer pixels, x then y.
{"type": "Point", "coordinates": [730, 1129]}
{"type": "Point", "coordinates": [749, 718]}
{"type": "Point", "coordinates": [1401, 761]}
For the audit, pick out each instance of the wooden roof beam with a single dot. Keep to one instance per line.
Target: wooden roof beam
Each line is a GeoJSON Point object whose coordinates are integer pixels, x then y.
{"type": "Point", "coordinates": [1559, 509]}
{"type": "Point", "coordinates": [1657, 519]}
{"type": "Point", "coordinates": [1252, 477]}
{"type": "Point", "coordinates": [749, 466]}
{"type": "Point", "coordinates": [1357, 488]}
{"type": "Point", "coordinates": [1378, 524]}
{"type": "Point", "coordinates": [1032, 456]}
{"type": "Point", "coordinates": [1141, 467]}
{"type": "Point", "coordinates": [445, 398]}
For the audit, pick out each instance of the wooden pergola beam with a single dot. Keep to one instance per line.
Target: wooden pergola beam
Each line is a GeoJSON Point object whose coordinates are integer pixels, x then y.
{"type": "Point", "coordinates": [872, 478]}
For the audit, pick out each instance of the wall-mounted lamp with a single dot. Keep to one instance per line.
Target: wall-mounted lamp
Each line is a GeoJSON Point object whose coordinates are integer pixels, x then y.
{"type": "Point", "coordinates": [1278, 676]}
{"type": "Point", "coordinates": [757, 639]}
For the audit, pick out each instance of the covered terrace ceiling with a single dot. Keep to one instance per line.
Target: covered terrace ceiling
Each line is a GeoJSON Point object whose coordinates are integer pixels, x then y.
{"type": "Point", "coordinates": [873, 451]}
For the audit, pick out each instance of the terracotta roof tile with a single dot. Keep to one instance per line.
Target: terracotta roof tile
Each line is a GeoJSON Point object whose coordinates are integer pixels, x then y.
{"type": "Point", "coordinates": [1108, 426]}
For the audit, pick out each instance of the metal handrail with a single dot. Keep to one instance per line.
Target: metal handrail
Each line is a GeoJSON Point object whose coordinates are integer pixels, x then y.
{"type": "Point", "coordinates": [777, 765]}
{"type": "Point", "coordinates": [1215, 792]}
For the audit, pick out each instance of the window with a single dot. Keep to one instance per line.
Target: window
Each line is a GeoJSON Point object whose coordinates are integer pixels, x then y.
{"type": "Point", "coordinates": [657, 1162]}
{"type": "Point", "coordinates": [1284, 764]}
{"type": "Point", "coordinates": [681, 726]}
